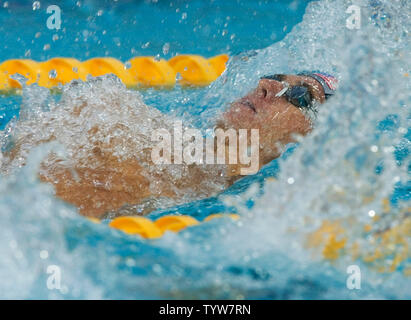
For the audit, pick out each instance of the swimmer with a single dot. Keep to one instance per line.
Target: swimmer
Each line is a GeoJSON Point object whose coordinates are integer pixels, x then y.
{"type": "Point", "coordinates": [281, 107]}
{"type": "Point", "coordinates": [101, 183]}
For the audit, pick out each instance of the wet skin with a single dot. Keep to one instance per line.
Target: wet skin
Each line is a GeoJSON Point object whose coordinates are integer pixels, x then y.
{"type": "Point", "coordinates": [109, 183]}
{"type": "Point", "coordinates": [277, 119]}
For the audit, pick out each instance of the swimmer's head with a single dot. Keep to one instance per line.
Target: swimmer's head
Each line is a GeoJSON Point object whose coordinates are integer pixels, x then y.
{"type": "Point", "coordinates": [280, 107]}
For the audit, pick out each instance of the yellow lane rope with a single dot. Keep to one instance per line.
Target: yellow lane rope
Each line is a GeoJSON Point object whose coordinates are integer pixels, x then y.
{"type": "Point", "coordinates": [138, 72]}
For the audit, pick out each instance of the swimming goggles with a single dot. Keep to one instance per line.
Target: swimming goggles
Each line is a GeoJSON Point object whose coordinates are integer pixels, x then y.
{"type": "Point", "coordinates": [300, 96]}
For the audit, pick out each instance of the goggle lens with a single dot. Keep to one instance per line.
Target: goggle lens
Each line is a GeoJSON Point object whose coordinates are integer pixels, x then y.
{"type": "Point", "coordinates": [298, 95]}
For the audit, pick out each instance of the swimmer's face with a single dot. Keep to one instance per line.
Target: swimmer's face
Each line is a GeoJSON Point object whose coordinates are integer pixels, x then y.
{"type": "Point", "coordinates": [277, 119]}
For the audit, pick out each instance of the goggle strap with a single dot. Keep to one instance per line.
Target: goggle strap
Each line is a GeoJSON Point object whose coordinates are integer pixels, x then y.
{"type": "Point", "coordinates": [328, 82]}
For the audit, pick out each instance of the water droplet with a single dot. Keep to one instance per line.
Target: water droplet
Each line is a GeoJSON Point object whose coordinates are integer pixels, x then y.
{"type": "Point", "coordinates": [144, 46]}
{"type": "Point", "coordinates": [52, 74]}
{"type": "Point", "coordinates": [44, 254]}
{"type": "Point", "coordinates": [157, 268]}
{"type": "Point", "coordinates": [374, 148]}
{"type": "Point", "coordinates": [36, 5]}
{"type": "Point", "coordinates": [157, 57]}
{"type": "Point", "coordinates": [130, 262]}
{"type": "Point", "coordinates": [37, 35]}
{"type": "Point", "coordinates": [127, 65]}
{"type": "Point", "coordinates": [184, 16]}
{"type": "Point", "coordinates": [290, 180]}
{"type": "Point", "coordinates": [166, 48]}
{"type": "Point", "coordinates": [55, 37]}
{"type": "Point", "coordinates": [100, 13]}
{"type": "Point", "coordinates": [46, 47]}
{"type": "Point", "coordinates": [371, 213]}
{"type": "Point", "coordinates": [6, 4]}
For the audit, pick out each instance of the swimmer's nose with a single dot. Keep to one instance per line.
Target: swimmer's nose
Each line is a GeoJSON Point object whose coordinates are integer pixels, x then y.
{"type": "Point", "coordinates": [268, 88]}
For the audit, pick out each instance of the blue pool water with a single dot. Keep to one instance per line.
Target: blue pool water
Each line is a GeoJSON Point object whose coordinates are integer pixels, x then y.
{"type": "Point", "coordinates": [124, 29]}
{"type": "Point", "coordinates": [358, 155]}
{"type": "Point", "coordinates": [102, 28]}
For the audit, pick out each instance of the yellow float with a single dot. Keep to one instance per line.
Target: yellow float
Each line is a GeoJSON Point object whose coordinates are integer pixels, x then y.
{"type": "Point", "coordinates": [386, 251]}
{"type": "Point", "coordinates": [193, 70]}
{"type": "Point", "coordinates": [25, 67]}
{"type": "Point", "coordinates": [137, 225]}
{"type": "Point", "coordinates": [146, 228]}
{"type": "Point", "coordinates": [149, 72]}
{"type": "Point", "coordinates": [60, 71]}
{"type": "Point", "coordinates": [218, 63]}
{"type": "Point", "coordinates": [175, 223]}
{"type": "Point", "coordinates": [221, 215]}
{"type": "Point", "coordinates": [101, 66]}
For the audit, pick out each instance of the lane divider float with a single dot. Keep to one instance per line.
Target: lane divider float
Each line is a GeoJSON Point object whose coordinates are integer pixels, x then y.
{"type": "Point", "coordinates": [148, 229]}
{"type": "Point", "coordinates": [388, 250]}
{"type": "Point", "coordinates": [331, 236]}
{"type": "Point", "coordinates": [138, 72]}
